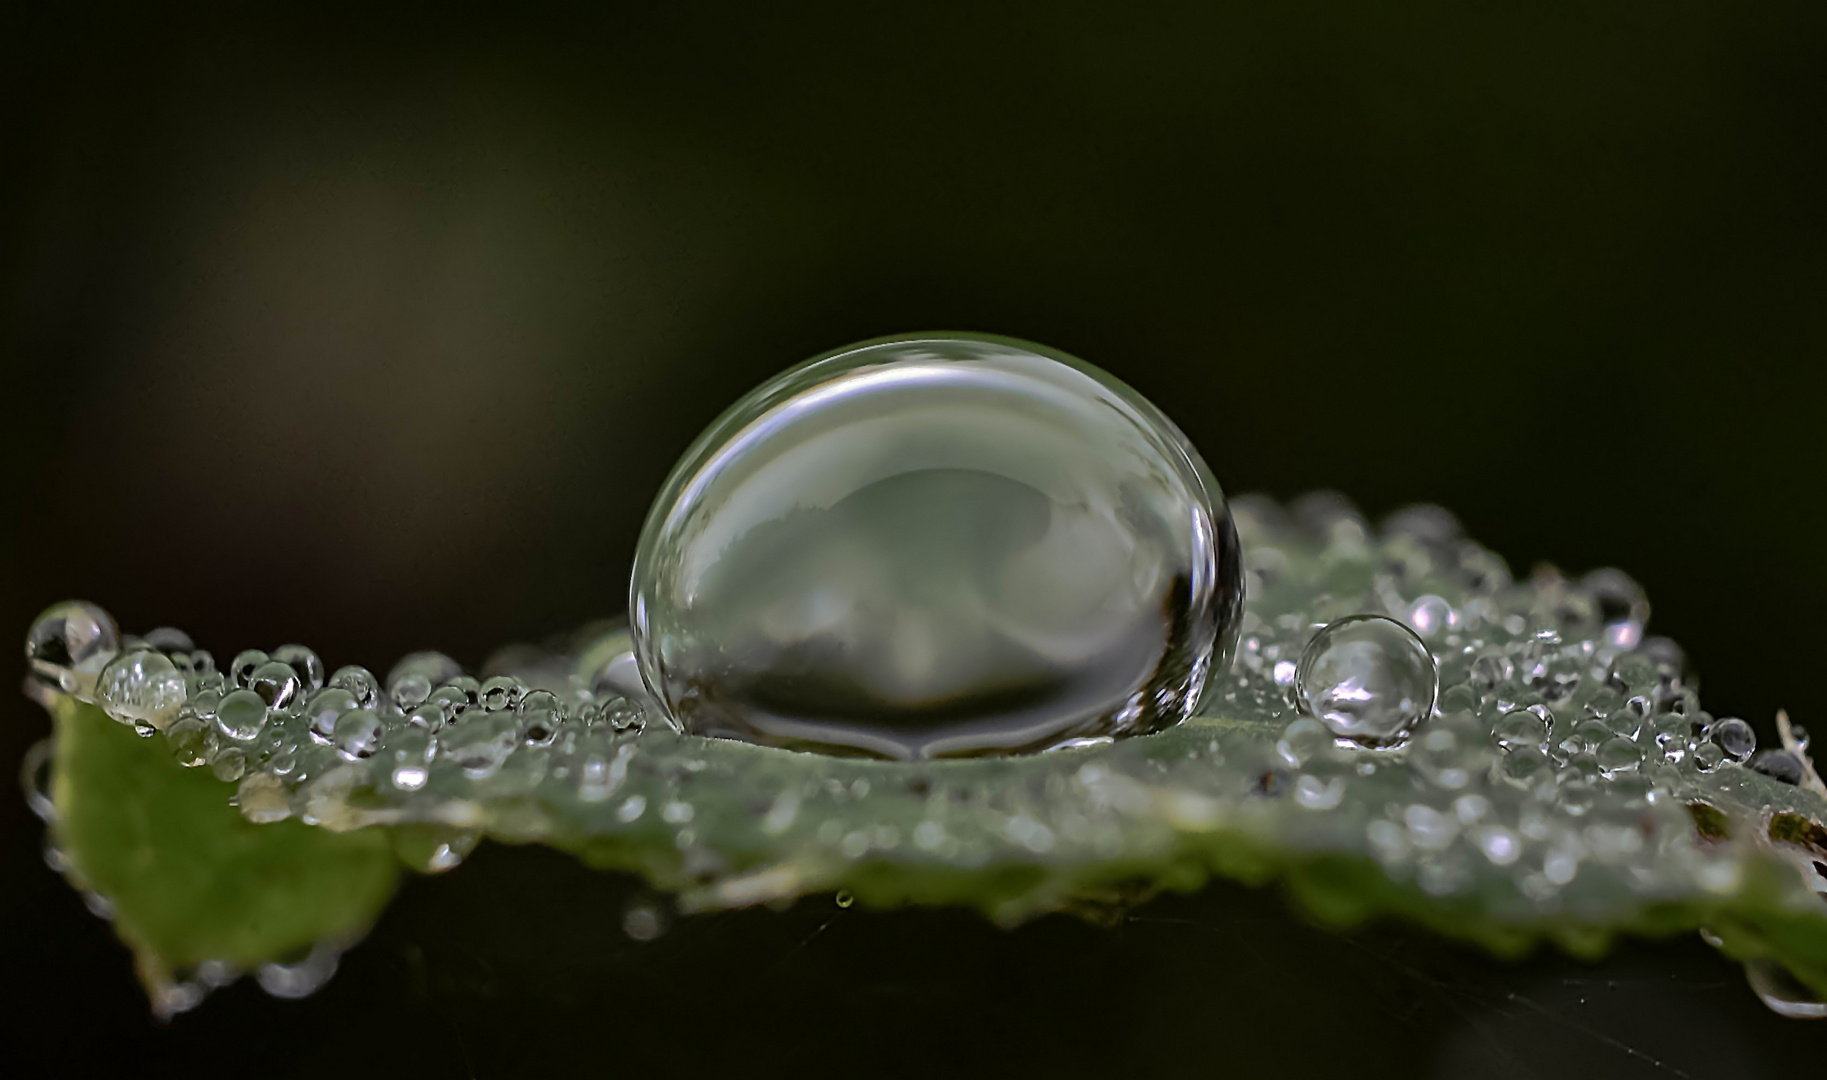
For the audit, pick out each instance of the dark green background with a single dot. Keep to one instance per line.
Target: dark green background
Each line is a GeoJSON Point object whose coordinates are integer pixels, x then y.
{"type": "Point", "coordinates": [376, 327]}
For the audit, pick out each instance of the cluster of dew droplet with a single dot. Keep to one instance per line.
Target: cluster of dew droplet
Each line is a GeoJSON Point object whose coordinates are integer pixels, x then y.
{"type": "Point", "coordinates": [1553, 762]}
{"type": "Point", "coordinates": [1561, 737]}
{"type": "Point", "coordinates": [294, 739]}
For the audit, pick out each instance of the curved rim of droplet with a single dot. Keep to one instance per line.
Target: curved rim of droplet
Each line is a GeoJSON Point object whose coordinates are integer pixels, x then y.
{"type": "Point", "coordinates": [1226, 548]}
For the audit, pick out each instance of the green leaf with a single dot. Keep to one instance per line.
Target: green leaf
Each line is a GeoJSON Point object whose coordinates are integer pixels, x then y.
{"type": "Point", "coordinates": [1633, 821]}
{"type": "Point", "coordinates": [189, 880]}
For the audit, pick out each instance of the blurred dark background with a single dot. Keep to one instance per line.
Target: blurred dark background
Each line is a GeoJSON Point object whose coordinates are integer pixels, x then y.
{"type": "Point", "coordinates": [376, 328]}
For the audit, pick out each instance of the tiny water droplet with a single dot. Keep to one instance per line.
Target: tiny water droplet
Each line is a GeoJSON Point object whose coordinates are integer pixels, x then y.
{"type": "Point", "coordinates": [936, 547]}
{"type": "Point", "coordinates": [304, 663]}
{"type": "Point", "coordinates": [1368, 678]}
{"type": "Point", "coordinates": [844, 898]}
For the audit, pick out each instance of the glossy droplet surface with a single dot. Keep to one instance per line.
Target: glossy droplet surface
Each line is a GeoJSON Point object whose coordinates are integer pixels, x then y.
{"type": "Point", "coordinates": [68, 639]}
{"type": "Point", "coordinates": [935, 547]}
{"type": "Point", "coordinates": [1368, 678]}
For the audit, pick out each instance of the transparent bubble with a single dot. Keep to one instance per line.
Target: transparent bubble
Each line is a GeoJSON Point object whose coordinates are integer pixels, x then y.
{"type": "Point", "coordinates": [1368, 678]}
{"type": "Point", "coordinates": [229, 763]}
{"type": "Point", "coordinates": [241, 715]}
{"type": "Point", "coordinates": [500, 693]}
{"type": "Point", "coordinates": [321, 711]}
{"type": "Point", "coordinates": [192, 741]}
{"type": "Point", "coordinates": [309, 668]}
{"type": "Point", "coordinates": [69, 639]}
{"type": "Point", "coordinates": [1622, 608]}
{"type": "Point", "coordinates": [357, 735]}
{"type": "Point", "coordinates": [1431, 616]}
{"type": "Point", "coordinates": [541, 715]}
{"type": "Point", "coordinates": [361, 684]}
{"type": "Point", "coordinates": [1735, 737]}
{"type": "Point", "coordinates": [936, 547]}
{"type": "Point", "coordinates": [277, 684]}
{"type": "Point", "coordinates": [142, 687]}
{"type": "Point", "coordinates": [1520, 728]}
{"type": "Point", "coordinates": [241, 669]}
{"type": "Point", "coordinates": [1618, 755]}
{"type": "Point", "coordinates": [412, 751]}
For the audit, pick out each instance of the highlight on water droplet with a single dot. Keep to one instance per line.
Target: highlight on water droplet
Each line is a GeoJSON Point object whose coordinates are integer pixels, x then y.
{"type": "Point", "coordinates": [937, 546]}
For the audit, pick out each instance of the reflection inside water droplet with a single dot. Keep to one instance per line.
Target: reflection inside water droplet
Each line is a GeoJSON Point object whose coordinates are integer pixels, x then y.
{"type": "Point", "coordinates": [936, 547]}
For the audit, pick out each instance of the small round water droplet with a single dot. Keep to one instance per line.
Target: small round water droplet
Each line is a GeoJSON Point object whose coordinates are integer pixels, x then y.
{"type": "Point", "coordinates": [844, 898]}
{"type": "Point", "coordinates": [69, 639]}
{"type": "Point", "coordinates": [501, 693]}
{"type": "Point", "coordinates": [230, 763]}
{"type": "Point", "coordinates": [305, 663]}
{"type": "Point", "coordinates": [541, 715]}
{"type": "Point", "coordinates": [142, 687]}
{"type": "Point", "coordinates": [1368, 678]}
{"type": "Point", "coordinates": [361, 685]}
{"type": "Point", "coordinates": [192, 741]}
{"type": "Point", "coordinates": [1525, 765]}
{"type": "Point", "coordinates": [241, 669]}
{"type": "Point", "coordinates": [1622, 608]}
{"type": "Point", "coordinates": [276, 683]}
{"type": "Point", "coordinates": [241, 715]}
{"type": "Point", "coordinates": [936, 547]}
{"type": "Point", "coordinates": [1735, 737]}
{"type": "Point", "coordinates": [321, 711]}
{"type": "Point", "coordinates": [1520, 728]}
{"type": "Point", "coordinates": [1618, 755]}
{"type": "Point", "coordinates": [357, 734]}
{"type": "Point", "coordinates": [1431, 616]}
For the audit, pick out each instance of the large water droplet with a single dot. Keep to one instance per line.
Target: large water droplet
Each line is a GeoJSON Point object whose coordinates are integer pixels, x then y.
{"type": "Point", "coordinates": [1368, 678]}
{"type": "Point", "coordinates": [936, 547]}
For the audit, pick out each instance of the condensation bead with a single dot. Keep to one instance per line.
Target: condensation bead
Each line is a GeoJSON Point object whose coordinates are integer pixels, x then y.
{"type": "Point", "coordinates": [241, 715]}
{"type": "Point", "coordinates": [229, 763]}
{"type": "Point", "coordinates": [936, 547]}
{"type": "Point", "coordinates": [1520, 728]}
{"type": "Point", "coordinates": [1368, 678]}
{"type": "Point", "coordinates": [500, 693]}
{"type": "Point", "coordinates": [69, 639]}
{"type": "Point", "coordinates": [321, 712]}
{"type": "Point", "coordinates": [360, 684]}
{"type": "Point", "coordinates": [305, 663]}
{"type": "Point", "coordinates": [277, 684]}
{"type": "Point", "coordinates": [357, 735]}
{"type": "Point", "coordinates": [142, 688]}
{"type": "Point", "coordinates": [411, 691]}
{"type": "Point", "coordinates": [541, 715]}
{"type": "Point", "coordinates": [241, 669]}
{"type": "Point", "coordinates": [192, 741]}
{"type": "Point", "coordinates": [1618, 755]}
{"type": "Point", "coordinates": [1734, 737]}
